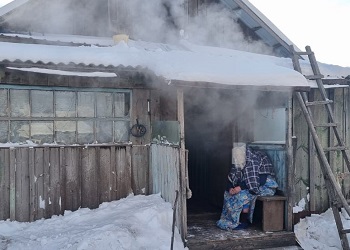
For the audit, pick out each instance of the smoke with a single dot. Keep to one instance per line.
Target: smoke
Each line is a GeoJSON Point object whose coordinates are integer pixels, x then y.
{"type": "Point", "coordinates": [77, 17]}
{"type": "Point", "coordinates": [165, 21]}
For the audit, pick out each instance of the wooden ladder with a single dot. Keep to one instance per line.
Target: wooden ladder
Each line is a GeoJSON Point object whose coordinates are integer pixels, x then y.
{"type": "Point", "coordinates": [336, 197]}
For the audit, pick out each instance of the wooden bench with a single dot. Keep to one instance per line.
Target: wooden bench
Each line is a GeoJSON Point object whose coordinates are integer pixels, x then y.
{"type": "Point", "coordinates": [272, 212]}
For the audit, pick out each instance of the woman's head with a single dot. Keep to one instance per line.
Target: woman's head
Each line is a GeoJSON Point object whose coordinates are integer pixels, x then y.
{"type": "Point", "coordinates": [239, 154]}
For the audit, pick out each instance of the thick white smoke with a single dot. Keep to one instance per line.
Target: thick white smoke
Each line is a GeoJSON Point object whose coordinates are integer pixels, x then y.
{"type": "Point", "coordinates": [162, 20]}
{"type": "Point", "coordinates": [148, 20]}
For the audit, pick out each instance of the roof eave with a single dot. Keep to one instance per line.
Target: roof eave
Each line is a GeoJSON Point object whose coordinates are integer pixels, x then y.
{"type": "Point", "coordinates": [196, 84]}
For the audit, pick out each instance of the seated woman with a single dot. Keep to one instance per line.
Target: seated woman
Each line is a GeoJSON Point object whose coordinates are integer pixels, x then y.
{"type": "Point", "coordinates": [251, 174]}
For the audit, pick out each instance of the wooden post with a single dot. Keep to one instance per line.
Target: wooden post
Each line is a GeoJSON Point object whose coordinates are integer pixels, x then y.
{"type": "Point", "coordinates": [312, 164]}
{"type": "Point", "coordinates": [290, 166]}
{"type": "Point", "coordinates": [182, 208]}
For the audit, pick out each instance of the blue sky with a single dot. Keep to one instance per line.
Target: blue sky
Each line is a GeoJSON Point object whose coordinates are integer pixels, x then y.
{"type": "Point", "coordinates": [321, 24]}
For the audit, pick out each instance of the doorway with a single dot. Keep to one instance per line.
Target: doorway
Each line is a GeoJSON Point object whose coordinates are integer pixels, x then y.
{"type": "Point", "coordinates": [209, 119]}
{"type": "Point", "coordinates": [214, 120]}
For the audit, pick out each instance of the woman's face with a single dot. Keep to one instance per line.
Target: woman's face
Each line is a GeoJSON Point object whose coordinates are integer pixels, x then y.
{"type": "Point", "coordinates": [239, 155]}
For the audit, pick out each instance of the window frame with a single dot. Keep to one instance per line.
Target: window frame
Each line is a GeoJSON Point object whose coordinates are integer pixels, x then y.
{"type": "Point", "coordinates": [76, 119]}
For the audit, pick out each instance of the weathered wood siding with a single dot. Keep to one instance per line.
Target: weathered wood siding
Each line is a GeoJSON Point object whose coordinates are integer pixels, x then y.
{"type": "Point", "coordinates": [309, 179]}
{"type": "Point", "coordinates": [40, 182]}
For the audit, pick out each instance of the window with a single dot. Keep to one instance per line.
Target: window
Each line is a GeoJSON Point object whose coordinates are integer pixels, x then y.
{"type": "Point", "coordinates": [64, 116]}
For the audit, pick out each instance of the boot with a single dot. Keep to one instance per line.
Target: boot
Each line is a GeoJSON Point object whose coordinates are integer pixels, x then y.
{"type": "Point", "coordinates": [244, 222]}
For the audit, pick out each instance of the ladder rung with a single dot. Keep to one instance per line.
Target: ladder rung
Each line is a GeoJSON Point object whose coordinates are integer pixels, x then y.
{"type": "Point", "coordinates": [326, 125]}
{"type": "Point", "coordinates": [334, 149]}
{"type": "Point", "coordinates": [318, 103]}
{"type": "Point", "coordinates": [302, 53]}
{"type": "Point", "coordinates": [314, 77]}
{"type": "Point", "coordinates": [345, 231]}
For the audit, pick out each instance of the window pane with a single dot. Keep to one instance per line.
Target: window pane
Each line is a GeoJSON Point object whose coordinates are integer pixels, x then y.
{"type": "Point", "coordinates": [19, 131]}
{"type": "Point", "coordinates": [3, 132]}
{"type": "Point", "coordinates": [104, 104]}
{"type": "Point", "coordinates": [121, 131]}
{"type": "Point", "coordinates": [42, 132]}
{"type": "Point", "coordinates": [119, 103]}
{"type": "Point", "coordinates": [86, 107]}
{"type": "Point", "coordinates": [104, 131]}
{"type": "Point", "coordinates": [3, 102]}
{"type": "Point", "coordinates": [65, 132]}
{"type": "Point", "coordinates": [42, 103]}
{"type": "Point", "coordinates": [19, 103]}
{"type": "Point", "coordinates": [85, 131]}
{"type": "Point", "coordinates": [65, 104]}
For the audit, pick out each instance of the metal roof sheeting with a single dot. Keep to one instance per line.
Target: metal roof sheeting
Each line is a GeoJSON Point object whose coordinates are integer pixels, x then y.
{"type": "Point", "coordinates": [188, 62]}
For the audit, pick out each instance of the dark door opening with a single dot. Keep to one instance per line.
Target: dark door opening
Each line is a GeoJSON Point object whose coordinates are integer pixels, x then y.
{"type": "Point", "coordinates": [208, 134]}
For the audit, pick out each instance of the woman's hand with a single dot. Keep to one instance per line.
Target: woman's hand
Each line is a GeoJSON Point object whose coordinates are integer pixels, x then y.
{"type": "Point", "coordinates": [235, 190]}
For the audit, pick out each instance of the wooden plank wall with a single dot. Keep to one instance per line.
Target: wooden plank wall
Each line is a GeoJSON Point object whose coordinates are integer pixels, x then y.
{"type": "Point", "coordinates": [300, 130]}
{"type": "Point", "coordinates": [341, 114]}
{"type": "Point", "coordinates": [320, 191]}
{"type": "Point", "coordinates": [309, 178]}
{"type": "Point", "coordinates": [40, 182]}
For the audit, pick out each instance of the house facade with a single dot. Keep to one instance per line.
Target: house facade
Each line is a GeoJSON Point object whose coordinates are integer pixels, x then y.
{"type": "Point", "coordinates": [85, 120]}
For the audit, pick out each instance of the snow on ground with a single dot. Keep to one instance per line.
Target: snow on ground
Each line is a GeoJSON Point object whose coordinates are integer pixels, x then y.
{"type": "Point", "coordinates": [136, 222]}
{"type": "Point", "coordinates": [320, 231]}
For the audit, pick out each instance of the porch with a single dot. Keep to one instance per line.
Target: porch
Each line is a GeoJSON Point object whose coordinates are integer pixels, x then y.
{"type": "Point", "coordinates": [204, 234]}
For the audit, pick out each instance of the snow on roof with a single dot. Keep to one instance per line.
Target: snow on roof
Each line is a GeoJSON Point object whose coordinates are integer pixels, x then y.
{"type": "Point", "coordinates": [65, 73]}
{"type": "Point", "coordinates": [100, 41]}
{"type": "Point", "coordinates": [11, 6]}
{"type": "Point", "coordinates": [187, 62]}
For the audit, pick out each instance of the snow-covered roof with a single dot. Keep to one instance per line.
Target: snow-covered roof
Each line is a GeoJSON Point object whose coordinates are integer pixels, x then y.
{"type": "Point", "coordinates": [11, 6]}
{"type": "Point", "coordinates": [186, 62]}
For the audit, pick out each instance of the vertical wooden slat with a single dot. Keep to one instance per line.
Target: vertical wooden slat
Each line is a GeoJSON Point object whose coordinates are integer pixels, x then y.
{"type": "Point", "coordinates": [151, 170]}
{"type": "Point", "coordinates": [113, 176]}
{"type": "Point", "coordinates": [128, 189]}
{"type": "Point", "coordinates": [55, 187]}
{"type": "Point", "coordinates": [346, 122]}
{"type": "Point", "coordinates": [140, 169]}
{"type": "Point", "coordinates": [46, 177]}
{"type": "Point", "coordinates": [73, 179]}
{"type": "Point", "coordinates": [312, 165]}
{"type": "Point", "coordinates": [22, 185]}
{"type": "Point", "coordinates": [290, 165]}
{"type": "Point", "coordinates": [123, 160]}
{"type": "Point", "coordinates": [32, 185]}
{"type": "Point", "coordinates": [89, 190]}
{"type": "Point", "coordinates": [39, 205]}
{"type": "Point", "coordinates": [62, 200]}
{"type": "Point", "coordinates": [12, 184]}
{"type": "Point", "coordinates": [4, 184]}
{"type": "Point", "coordinates": [105, 175]}
{"type": "Point", "coordinates": [183, 202]}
